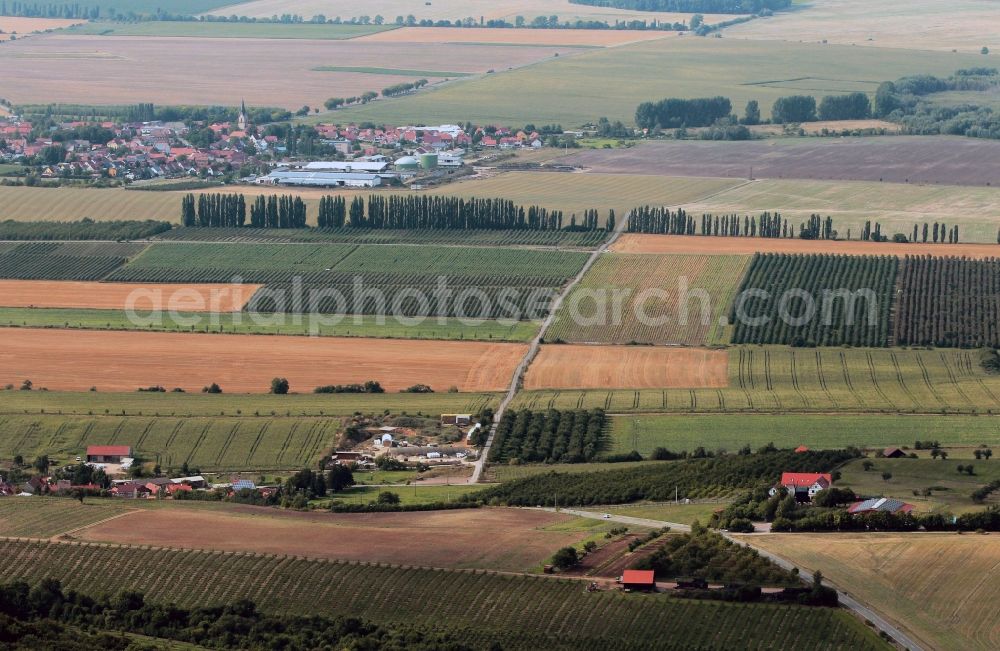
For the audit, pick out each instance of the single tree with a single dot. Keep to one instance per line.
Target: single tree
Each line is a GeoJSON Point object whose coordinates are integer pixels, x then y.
{"type": "Point", "coordinates": [886, 476]}
{"type": "Point", "coordinates": [387, 497]}
{"type": "Point", "coordinates": [565, 558]}
{"type": "Point", "coordinates": [279, 386]}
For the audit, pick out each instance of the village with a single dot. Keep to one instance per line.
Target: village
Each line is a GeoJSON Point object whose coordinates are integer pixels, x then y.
{"type": "Point", "coordinates": [126, 152]}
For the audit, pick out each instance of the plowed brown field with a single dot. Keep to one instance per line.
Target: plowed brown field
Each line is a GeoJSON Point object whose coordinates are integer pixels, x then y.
{"type": "Point", "coordinates": [637, 243]}
{"type": "Point", "coordinates": [124, 361]}
{"type": "Point", "coordinates": [20, 26]}
{"type": "Point", "coordinates": [504, 539]}
{"type": "Point", "coordinates": [627, 367]}
{"type": "Point", "coordinates": [116, 296]}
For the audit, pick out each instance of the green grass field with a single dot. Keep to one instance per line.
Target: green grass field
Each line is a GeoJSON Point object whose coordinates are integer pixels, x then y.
{"type": "Point", "coordinates": [770, 379]}
{"type": "Point", "coordinates": [398, 72]}
{"type": "Point", "coordinates": [680, 513]}
{"type": "Point", "coordinates": [896, 206]}
{"type": "Point", "coordinates": [414, 494]}
{"type": "Point", "coordinates": [613, 82]}
{"type": "Point", "coordinates": [525, 613]}
{"type": "Point", "coordinates": [651, 285]}
{"type": "Point", "coordinates": [950, 489]}
{"type": "Point", "coordinates": [189, 405]}
{"type": "Point", "coordinates": [240, 323]}
{"type": "Point", "coordinates": [681, 433]}
{"type": "Point", "coordinates": [231, 30]}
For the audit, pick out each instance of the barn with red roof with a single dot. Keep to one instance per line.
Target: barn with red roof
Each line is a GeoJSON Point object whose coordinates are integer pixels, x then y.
{"type": "Point", "coordinates": [639, 579]}
{"type": "Point", "coordinates": [803, 485]}
{"type": "Point", "coordinates": [108, 453]}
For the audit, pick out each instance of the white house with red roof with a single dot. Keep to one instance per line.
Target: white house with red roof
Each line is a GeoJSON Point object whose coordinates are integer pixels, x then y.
{"type": "Point", "coordinates": [803, 485]}
{"type": "Point", "coordinates": [108, 453]}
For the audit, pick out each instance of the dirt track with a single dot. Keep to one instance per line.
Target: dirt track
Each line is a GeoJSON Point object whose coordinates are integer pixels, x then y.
{"type": "Point", "coordinates": [125, 361]}
{"type": "Point", "coordinates": [683, 244]}
{"type": "Point", "coordinates": [503, 539]}
{"type": "Point", "coordinates": [627, 367]}
{"type": "Point", "coordinates": [115, 296]}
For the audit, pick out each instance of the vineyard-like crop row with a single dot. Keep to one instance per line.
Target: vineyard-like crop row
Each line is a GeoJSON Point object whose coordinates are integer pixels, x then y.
{"type": "Point", "coordinates": [519, 612]}
{"type": "Point", "coordinates": [211, 444]}
{"type": "Point", "coordinates": [815, 300]}
{"type": "Point", "coordinates": [665, 299]}
{"type": "Point", "coordinates": [772, 378]}
{"type": "Point", "coordinates": [948, 302]}
{"type": "Point", "coordinates": [43, 517]}
{"type": "Point", "coordinates": [68, 261]}
{"type": "Point", "coordinates": [579, 239]}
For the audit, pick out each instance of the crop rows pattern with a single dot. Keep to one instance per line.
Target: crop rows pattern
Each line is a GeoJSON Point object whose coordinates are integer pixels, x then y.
{"type": "Point", "coordinates": [654, 286]}
{"type": "Point", "coordinates": [576, 239]}
{"type": "Point", "coordinates": [807, 300]}
{"type": "Point", "coordinates": [551, 436]}
{"type": "Point", "coordinates": [211, 444]}
{"type": "Point", "coordinates": [518, 611]}
{"type": "Point", "coordinates": [64, 261]}
{"type": "Point", "coordinates": [948, 302]}
{"type": "Point", "coordinates": [783, 379]}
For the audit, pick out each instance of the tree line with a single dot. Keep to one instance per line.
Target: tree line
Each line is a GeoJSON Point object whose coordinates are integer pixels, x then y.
{"type": "Point", "coordinates": [664, 221]}
{"type": "Point", "coordinates": [400, 89]}
{"type": "Point", "coordinates": [217, 210]}
{"type": "Point", "coordinates": [675, 113]}
{"type": "Point", "coordinates": [687, 6]}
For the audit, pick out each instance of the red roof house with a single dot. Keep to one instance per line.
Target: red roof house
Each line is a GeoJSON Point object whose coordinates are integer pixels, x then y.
{"type": "Point", "coordinates": [801, 449]}
{"type": "Point", "coordinates": [107, 453]}
{"type": "Point", "coordinates": [638, 579]}
{"type": "Point", "coordinates": [803, 485]}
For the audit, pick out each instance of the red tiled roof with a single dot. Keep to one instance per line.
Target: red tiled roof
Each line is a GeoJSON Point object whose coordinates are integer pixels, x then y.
{"type": "Point", "coordinates": [108, 451]}
{"type": "Point", "coordinates": [641, 577]}
{"type": "Point", "coordinates": [804, 479]}
{"type": "Point", "coordinates": [802, 448]}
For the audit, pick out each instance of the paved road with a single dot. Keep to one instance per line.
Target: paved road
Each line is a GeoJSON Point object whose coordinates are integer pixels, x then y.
{"type": "Point", "coordinates": [846, 600]}
{"type": "Point", "coordinates": [522, 367]}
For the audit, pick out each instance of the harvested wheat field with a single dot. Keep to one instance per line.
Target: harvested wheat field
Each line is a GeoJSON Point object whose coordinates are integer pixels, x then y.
{"type": "Point", "coordinates": [124, 361]}
{"type": "Point", "coordinates": [501, 539]}
{"type": "Point", "coordinates": [940, 587]}
{"type": "Point", "coordinates": [697, 245]}
{"type": "Point", "coordinates": [117, 69]}
{"type": "Point", "coordinates": [563, 37]}
{"type": "Point", "coordinates": [18, 26]}
{"type": "Point", "coordinates": [120, 296]}
{"type": "Point", "coordinates": [627, 367]}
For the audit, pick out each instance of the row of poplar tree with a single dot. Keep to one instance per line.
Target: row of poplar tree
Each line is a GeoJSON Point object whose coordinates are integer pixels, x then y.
{"type": "Point", "coordinates": [230, 211]}
{"type": "Point", "coordinates": [447, 213]}
{"type": "Point", "coordinates": [664, 221]}
{"type": "Point", "coordinates": [392, 211]}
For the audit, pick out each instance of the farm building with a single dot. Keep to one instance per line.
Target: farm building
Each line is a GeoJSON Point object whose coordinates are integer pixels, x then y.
{"type": "Point", "coordinates": [880, 504]}
{"type": "Point", "coordinates": [803, 485]}
{"type": "Point", "coordinates": [108, 453]}
{"type": "Point", "coordinates": [456, 419]}
{"type": "Point", "coordinates": [801, 449]}
{"type": "Point", "coordinates": [893, 453]}
{"type": "Point", "coordinates": [639, 580]}
{"type": "Point", "coordinates": [367, 167]}
{"type": "Point", "coordinates": [321, 179]}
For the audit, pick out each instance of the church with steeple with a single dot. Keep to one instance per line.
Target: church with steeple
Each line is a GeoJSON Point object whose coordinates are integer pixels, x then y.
{"type": "Point", "coordinates": [241, 121]}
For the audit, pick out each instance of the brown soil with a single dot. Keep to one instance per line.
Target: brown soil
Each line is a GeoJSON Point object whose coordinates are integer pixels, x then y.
{"type": "Point", "coordinates": [502, 539]}
{"type": "Point", "coordinates": [892, 159]}
{"type": "Point", "coordinates": [20, 27]}
{"type": "Point", "coordinates": [694, 245]}
{"type": "Point", "coordinates": [124, 361]}
{"type": "Point", "coordinates": [627, 367]}
{"type": "Point", "coordinates": [115, 296]}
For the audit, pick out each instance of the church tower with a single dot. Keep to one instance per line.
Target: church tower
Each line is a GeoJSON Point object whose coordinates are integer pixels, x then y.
{"type": "Point", "coordinates": [241, 121]}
